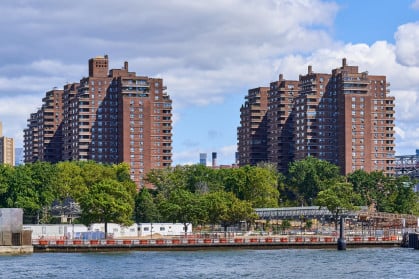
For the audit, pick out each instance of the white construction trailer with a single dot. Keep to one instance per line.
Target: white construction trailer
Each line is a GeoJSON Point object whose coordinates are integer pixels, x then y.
{"type": "Point", "coordinates": [115, 230]}
{"type": "Point", "coordinates": [55, 231]}
{"type": "Point", "coordinates": [164, 229]}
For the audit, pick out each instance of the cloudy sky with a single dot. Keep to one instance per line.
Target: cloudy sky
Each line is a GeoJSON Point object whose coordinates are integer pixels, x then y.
{"type": "Point", "coordinates": [209, 54]}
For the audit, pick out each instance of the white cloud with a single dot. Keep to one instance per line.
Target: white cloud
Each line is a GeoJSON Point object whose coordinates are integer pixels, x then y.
{"type": "Point", "coordinates": [415, 5]}
{"type": "Point", "coordinates": [407, 40]}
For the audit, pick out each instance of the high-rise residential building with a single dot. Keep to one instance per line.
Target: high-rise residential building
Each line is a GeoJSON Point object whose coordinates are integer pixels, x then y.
{"type": "Point", "coordinates": [315, 118]}
{"type": "Point", "coordinates": [30, 139]}
{"type": "Point", "coordinates": [110, 116]}
{"type": "Point", "coordinates": [280, 117]}
{"type": "Point", "coordinates": [346, 118]}
{"type": "Point", "coordinates": [7, 149]}
{"type": "Point", "coordinates": [19, 156]}
{"type": "Point", "coordinates": [365, 123]}
{"type": "Point", "coordinates": [203, 159]}
{"type": "Point", "coordinates": [252, 133]}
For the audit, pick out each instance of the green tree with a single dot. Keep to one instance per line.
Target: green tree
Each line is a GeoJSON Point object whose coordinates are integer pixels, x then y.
{"type": "Point", "coordinates": [108, 201]}
{"type": "Point", "coordinates": [146, 210]}
{"type": "Point", "coordinates": [257, 184]}
{"type": "Point", "coordinates": [306, 178]}
{"type": "Point", "coordinates": [69, 182]}
{"type": "Point", "coordinates": [168, 179]}
{"type": "Point", "coordinates": [184, 207]}
{"type": "Point", "coordinates": [338, 198]}
{"type": "Point", "coordinates": [6, 173]}
{"type": "Point", "coordinates": [217, 206]}
{"type": "Point", "coordinates": [262, 186]}
{"type": "Point", "coordinates": [387, 194]}
{"type": "Point", "coordinates": [237, 211]}
{"type": "Point", "coordinates": [22, 193]}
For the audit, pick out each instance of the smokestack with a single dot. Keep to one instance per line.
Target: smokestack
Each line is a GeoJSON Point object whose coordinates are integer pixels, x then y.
{"type": "Point", "coordinates": [343, 62]}
{"type": "Point", "coordinates": [214, 159]}
{"type": "Point", "coordinates": [126, 65]}
{"type": "Point", "coordinates": [310, 69]}
{"type": "Point", "coordinates": [281, 77]}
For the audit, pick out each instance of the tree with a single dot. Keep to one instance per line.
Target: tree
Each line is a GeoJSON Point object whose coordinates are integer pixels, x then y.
{"type": "Point", "coordinates": [108, 201]}
{"type": "Point", "coordinates": [167, 180]}
{"type": "Point", "coordinates": [233, 210]}
{"type": "Point", "coordinates": [217, 206]}
{"type": "Point", "coordinates": [338, 198]}
{"type": "Point", "coordinates": [257, 184]}
{"type": "Point", "coordinates": [43, 179]}
{"type": "Point", "coordinates": [145, 209]}
{"type": "Point", "coordinates": [306, 178]}
{"type": "Point", "coordinates": [6, 173]}
{"type": "Point", "coordinates": [387, 194]}
{"type": "Point", "coordinates": [262, 187]}
{"type": "Point", "coordinates": [184, 207]}
{"type": "Point", "coordinates": [23, 194]}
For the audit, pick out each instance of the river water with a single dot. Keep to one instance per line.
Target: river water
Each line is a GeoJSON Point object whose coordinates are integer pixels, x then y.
{"type": "Point", "coordinates": [289, 263]}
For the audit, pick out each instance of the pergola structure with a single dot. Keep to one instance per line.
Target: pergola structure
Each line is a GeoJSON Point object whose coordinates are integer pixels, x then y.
{"type": "Point", "coordinates": [295, 213]}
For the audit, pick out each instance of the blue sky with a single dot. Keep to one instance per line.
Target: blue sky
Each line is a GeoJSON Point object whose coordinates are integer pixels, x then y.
{"type": "Point", "coordinates": [209, 54]}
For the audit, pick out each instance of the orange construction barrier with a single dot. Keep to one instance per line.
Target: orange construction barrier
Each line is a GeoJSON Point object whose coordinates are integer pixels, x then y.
{"type": "Point", "coordinates": [253, 240]}
{"type": "Point", "coordinates": [126, 241]}
{"type": "Point", "coordinates": [283, 239]}
{"type": "Point", "coordinates": [223, 240]}
{"type": "Point", "coordinates": [43, 242]}
{"type": "Point", "coordinates": [298, 239]}
{"type": "Point", "coordinates": [143, 241]}
{"type": "Point", "coordinates": [94, 241]}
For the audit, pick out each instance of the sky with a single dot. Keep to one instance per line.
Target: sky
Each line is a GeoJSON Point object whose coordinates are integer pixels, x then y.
{"type": "Point", "coordinates": [209, 54]}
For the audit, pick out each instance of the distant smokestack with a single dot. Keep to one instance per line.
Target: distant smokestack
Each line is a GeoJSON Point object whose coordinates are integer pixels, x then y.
{"type": "Point", "coordinates": [214, 159]}
{"type": "Point", "coordinates": [126, 65]}
{"type": "Point", "coordinates": [281, 77]}
{"type": "Point", "coordinates": [310, 69]}
{"type": "Point", "coordinates": [343, 62]}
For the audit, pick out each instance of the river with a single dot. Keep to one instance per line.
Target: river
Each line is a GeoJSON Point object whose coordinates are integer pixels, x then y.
{"type": "Point", "coordinates": [289, 263]}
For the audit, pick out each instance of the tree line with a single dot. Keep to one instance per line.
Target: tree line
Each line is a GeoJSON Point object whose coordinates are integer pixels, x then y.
{"type": "Point", "coordinates": [196, 194]}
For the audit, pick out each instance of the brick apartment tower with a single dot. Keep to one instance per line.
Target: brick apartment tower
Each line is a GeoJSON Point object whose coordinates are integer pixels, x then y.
{"type": "Point", "coordinates": [345, 117]}
{"type": "Point", "coordinates": [252, 133]}
{"type": "Point", "coordinates": [365, 120]}
{"type": "Point", "coordinates": [315, 118]}
{"type": "Point", "coordinates": [112, 116]}
{"type": "Point", "coordinates": [280, 122]}
{"type": "Point", "coordinates": [7, 149]}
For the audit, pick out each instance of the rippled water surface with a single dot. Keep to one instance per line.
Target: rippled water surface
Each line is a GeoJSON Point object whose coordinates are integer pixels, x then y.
{"type": "Point", "coordinates": [352, 263]}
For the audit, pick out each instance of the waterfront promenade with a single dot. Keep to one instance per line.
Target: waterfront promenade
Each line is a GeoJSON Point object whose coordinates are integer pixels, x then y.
{"type": "Point", "coordinates": [265, 242]}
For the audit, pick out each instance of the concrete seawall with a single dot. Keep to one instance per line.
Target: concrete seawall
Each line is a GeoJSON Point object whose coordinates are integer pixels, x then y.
{"type": "Point", "coordinates": [199, 244]}
{"type": "Point", "coordinates": [16, 250]}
